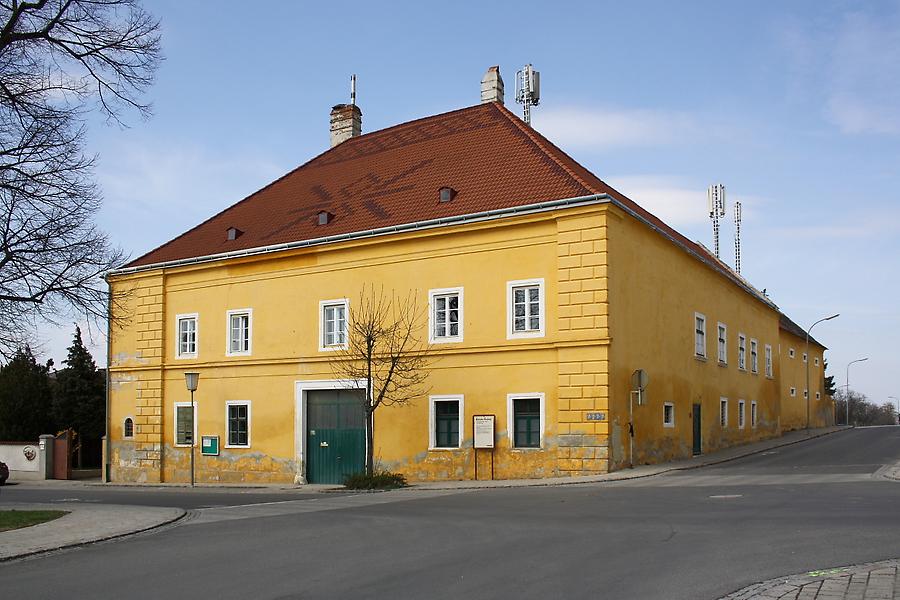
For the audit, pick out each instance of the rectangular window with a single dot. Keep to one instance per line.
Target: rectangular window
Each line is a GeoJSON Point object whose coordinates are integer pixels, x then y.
{"type": "Point", "coordinates": [816, 361]}
{"type": "Point", "coordinates": [723, 412]}
{"type": "Point", "coordinates": [769, 372]}
{"type": "Point", "coordinates": [333, 324]}
{"type": "Point", "coordinates": [818, 395]}
{"type": "Point", "coordinates": [699, 335]}
{"type": "Point", "coordinates": [239, 332]}
{"type": "Point", "coordinates": [742, 352]}
{"type": "Point", "coordinates": [805, 394]}
{"type": "Point", "coordinates": [804, 357]}
{"type": "Point", "coordinates": [668, 414]}
{"type": "Point", "coordinates": [446, 422]}
{"type": "Point", "coordinates": [754, 356]}
{"type": "Point", "coordinates": [723, 344]}
{"type": "Point", "coordinates": [446, 315]}
{"type": "Point", "coordinates": [525, 304]}
{"type": "Point", "coordinates": [237, 415]}
{"type": "Point", "coordinates": [753, 415]}
{"type": "Point", "coordinates": [740, 414]}
{"type": "Point", "coordinates": [793, 392]}
{"type": "Point", "coordinates": [526, 418]}
{"type": "Point", "coordinates": [184, 423]}
{"type": "Point", "coordinates": [186, 336]}
{"type": "Point", "coordinates": [791, 352]}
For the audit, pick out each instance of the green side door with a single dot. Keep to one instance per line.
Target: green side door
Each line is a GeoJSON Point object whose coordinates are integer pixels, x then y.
{"type": "Point", "coordinates": [335, 435]}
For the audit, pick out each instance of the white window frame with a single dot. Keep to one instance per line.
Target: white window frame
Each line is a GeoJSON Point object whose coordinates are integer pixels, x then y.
{"type": "Point", "coordinates": [723, 412]}
{"type": "Point", "coordinates": [323, 304]}
{"type": "Point", "coordinates": [233, 313]}
{"type": "Point", "coordinates": [741, 414]}
{"type": "Point", "coordinates": [697, 335]}
{"type": "Point", "coordinates": [175, 408]}
{"type": "Point", "coordinates": [791, 352]}
{"type": "Point", "coordinates": [793, 392]}
{"type": "Point", "coordinates": [816, 361]}
{"type": "Point", "coordinates": [432, 325]}
{"type": "Point", "coordinates": [249, 405]}
{"type": "Point", "coordinates": [185, 317]}
{"type": "Point", "coordinates": [133, 428]}
{"type": "Point", "coordinates": [671, 423]}
{"type": "Point", "coordinates": [818, 396]}
{"type": "Point", "coordinates": [432, 420]}
{"type": "Point", "coordinates": [805, 394]}
{"type": "Point", "coordinates": [754, 356]}
{"type": "Point", "coordinates": [805, 358]}
{"type": "Point", "coordinates": [742, 352]}
{"type": "Point", "coordinates": [770, 371]}
{"type": "Point", "coordinates": [511, 333]}
{"type": "Point", "coordinates": [722, 342]}
{"type": "Point", "coordinates": [511, 424]}
{"type": "Point", "coordinates": [754, 414]}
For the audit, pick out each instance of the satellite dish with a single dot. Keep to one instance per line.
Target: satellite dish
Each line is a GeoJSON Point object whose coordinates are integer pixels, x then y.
{"type": "Point", "coordinates": [639, 379]}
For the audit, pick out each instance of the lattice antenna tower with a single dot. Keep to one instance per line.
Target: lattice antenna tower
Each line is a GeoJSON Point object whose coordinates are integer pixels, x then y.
{"type": "Point", "coordinates": [528, 90]}
{"type": "Point", "coordinates": [737, 237]}
{"type": "Point", "coordinates": [715, 196]}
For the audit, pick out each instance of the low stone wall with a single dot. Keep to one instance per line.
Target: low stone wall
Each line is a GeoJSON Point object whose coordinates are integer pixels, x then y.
{"type": "Point", "coordinates": [22, 458]}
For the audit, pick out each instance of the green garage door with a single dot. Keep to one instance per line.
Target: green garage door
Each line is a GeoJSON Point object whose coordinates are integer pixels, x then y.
{"type": "Point", "coordinates": [335, 435]}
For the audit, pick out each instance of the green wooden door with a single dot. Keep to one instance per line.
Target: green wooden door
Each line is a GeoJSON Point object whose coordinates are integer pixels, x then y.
{"type": "Point", "coordinates": [335, 435]}
{"type": "Point", "coordinates": [698, 430]}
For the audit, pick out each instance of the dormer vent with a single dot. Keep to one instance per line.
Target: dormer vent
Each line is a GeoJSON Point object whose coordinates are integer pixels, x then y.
{"type": "Point", "coordinates": [325, 217]}
{"type": "Point", "coordinates": [447, 194]}
{"type": "Point", "coordinates": [234, 233]}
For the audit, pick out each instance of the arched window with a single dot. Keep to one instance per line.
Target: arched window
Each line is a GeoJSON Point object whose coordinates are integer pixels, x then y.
{"type": "Point", "coordinates": [129, 427]}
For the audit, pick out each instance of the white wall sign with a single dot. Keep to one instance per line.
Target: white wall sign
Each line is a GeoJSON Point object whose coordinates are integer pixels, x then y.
{"type": "Point", "coordinates": [483, 427]}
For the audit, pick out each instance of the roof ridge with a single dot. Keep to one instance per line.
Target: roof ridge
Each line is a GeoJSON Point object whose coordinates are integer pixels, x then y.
{"type": "Point", "coordinates": [538, 140]}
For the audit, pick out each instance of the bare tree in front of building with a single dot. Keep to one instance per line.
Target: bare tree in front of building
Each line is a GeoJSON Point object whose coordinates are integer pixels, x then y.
{"type": "Point", "coordinates": [59, 61]}
{"type": "Point", "coordinates": [386, 349]}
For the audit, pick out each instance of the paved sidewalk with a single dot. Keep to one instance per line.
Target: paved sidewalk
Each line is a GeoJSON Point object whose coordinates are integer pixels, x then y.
{"type": "Point", "coordinates": [878, 580]}
{"type": "Point", "coordinates": [641, 471]}
{"type": "Point", "coordinates": [85, 523]}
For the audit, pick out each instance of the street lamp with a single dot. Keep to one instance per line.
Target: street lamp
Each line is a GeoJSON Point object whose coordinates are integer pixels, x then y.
{"type": "Point", "coordinates": [191, 379]}
{"type": "Point", "coordinates": [848, 386]}
{"type": "Point", "coordinates": [898, 407]}
{"type": "Point", "coordinates": [808, 394]}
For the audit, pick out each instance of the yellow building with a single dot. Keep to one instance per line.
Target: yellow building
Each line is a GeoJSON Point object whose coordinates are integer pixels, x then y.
{"type": "Point", "coordinates": [800, 403]}
{"type": "Point", "coordinates": [546, 289]}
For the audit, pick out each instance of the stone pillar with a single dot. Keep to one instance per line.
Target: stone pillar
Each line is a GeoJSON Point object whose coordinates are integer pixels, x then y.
{"type": "Point", "coordinates": [45, 452]}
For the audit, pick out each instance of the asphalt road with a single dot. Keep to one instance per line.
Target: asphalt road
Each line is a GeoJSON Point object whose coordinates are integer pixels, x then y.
{"type": "Point", "coordinates": [694, 534]}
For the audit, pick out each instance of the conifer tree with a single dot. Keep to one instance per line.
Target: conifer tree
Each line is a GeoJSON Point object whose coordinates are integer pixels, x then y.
{"type": "Point", "coordinates": [79, 401]}
{"type": "Point", "coordinates": [25, 398]}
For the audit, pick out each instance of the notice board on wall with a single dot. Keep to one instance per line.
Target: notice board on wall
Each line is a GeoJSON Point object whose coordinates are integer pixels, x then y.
{"type": "Point", "coordinates": [483, 428]}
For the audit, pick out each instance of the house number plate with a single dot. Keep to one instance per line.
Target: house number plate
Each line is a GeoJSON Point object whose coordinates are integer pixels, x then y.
{"type": "Point", "coordinates": [596, 416]}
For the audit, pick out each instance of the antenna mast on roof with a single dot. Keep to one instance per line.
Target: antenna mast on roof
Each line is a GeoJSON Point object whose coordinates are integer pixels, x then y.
{"type": "Point", "coordinates": [715, 196]}
{"type": "Point", "coordinates": [353, 89]}
{"type": "Point", "coordinates": [737, 237]}
{"type": "Point", "coordinates": [528, 90]}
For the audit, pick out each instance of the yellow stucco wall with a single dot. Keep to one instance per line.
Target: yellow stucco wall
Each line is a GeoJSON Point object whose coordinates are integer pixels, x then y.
{"type": "Point", "coordinates": [793, 379]}
{"type": "Point", "coordinates": [655, 289]}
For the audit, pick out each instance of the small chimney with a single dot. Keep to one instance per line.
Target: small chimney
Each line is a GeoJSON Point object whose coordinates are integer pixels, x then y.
{"type": "Point", "coordinates": [492, 86]}
{"type": "Point", "coordinates": [346, 122]}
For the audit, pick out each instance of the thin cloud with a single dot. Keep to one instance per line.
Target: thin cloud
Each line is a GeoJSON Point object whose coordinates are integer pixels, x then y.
{"type": "Point", "coordinates": [606, 127]}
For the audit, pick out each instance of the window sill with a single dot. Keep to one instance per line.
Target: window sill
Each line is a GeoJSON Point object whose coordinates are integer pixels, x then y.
{"type": "Point", "coordinates": [519, 335]}
{"type": "Point", "coordinates": [723, 364]}
{"type": "Point", "coordinates": [238, 354]}
{"type": "Point", "coordinates": [444, 449]}
{"type": "Point", "coordinates": [233, 447]}
{"type": "Point", "coordinates": [446, 340]}
{"type": "Point", "coordinates": [700, 358]}
{"type": "Point", "coordinates": [184, 445]}
{"type": "Point", "coordinates": [333, 348]}
{"type": "Point", "coordinates": [186, 356]}
{"type": "Point", "coordinates": [526, 449]}
{"type": "Point", "coordinates": [668, 425]}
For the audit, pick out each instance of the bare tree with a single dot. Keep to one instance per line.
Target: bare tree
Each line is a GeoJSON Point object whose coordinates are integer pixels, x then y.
{"type": "Point", "coordinates": [58, 60]}
{"type": "Point", "coordinates": [386, 350]}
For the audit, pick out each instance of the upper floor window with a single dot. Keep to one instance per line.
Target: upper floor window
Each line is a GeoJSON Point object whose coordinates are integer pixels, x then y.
{"type": "Point", "coordinates": [723, 343]}
{"type": "Point", "coordinates": [791, 352]}
{"type": "Point", "coordinates": [240, 329]}
{"type": "Point", "coordinates": [525, 306]}
{"type": "Point", "coordinates": [804, 357]}
{"type": "Point", "coordinates": [699, 335]}
{"type": "Point", "coordinates": [769, 372]}
{"type": "Point", "coordinates": [742, 352]}
{"type": "Point", "coordinates": [793, 392]}
{"type": "Point", "coordinates": [816, 361]}
{"type": "Point", "coordinates": [333, 324]}
{"type": "Point", "coordinates": [754, 356]}
{"type": "Point", "coordinates": [446, 315]}
{"type": "Point", "coordinates": [186, 336]}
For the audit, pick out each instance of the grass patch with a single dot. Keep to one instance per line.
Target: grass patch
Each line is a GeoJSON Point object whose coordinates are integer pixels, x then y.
{"type": "Point", "coordinates": [379, 480]}
{"type": "Point", "coordinates": [16, 519]}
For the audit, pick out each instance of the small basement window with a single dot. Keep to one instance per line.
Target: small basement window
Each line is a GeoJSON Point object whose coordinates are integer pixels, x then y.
{"type": "Point", "coordinates": [447, 194]}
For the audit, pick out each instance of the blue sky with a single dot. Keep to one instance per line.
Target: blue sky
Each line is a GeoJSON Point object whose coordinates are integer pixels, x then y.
{"type": "Point", "coordinates": [795, 107]}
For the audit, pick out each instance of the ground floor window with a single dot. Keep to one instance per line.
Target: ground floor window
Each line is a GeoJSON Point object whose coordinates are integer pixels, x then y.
{"type": "Point", "coordinates": [723, 412]}
{"type": "Point", "coordinates": [668, 414]}
{"type": "Point", "coordinates": [526, 420]}
{"type": "Point", "coordinates": [128, 428]}
{"type": "Point", "coordinates": [184, 423]}
{"type": "Point", "coordinates": [446, 422]}
{"type": "Point", "coordinates": [237, 415]}
{"type": "Point", "coordinates": [753, 416]}
{"type": "Point", "coordinates": [740, 414]}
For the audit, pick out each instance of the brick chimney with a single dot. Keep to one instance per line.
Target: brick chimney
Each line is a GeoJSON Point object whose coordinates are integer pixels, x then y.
{"type": "Point", "coordinates": [346, 122]}
{"type": "Point", "coordinates": [492, 86]}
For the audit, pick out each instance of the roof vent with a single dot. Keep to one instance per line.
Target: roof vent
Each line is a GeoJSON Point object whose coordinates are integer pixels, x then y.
{"type": "Point", "coordinates": [234, 233]}
{"type": "Point", "coordinates": [447, 194]}
{"type": "Point", "coordinates": [325, 217]}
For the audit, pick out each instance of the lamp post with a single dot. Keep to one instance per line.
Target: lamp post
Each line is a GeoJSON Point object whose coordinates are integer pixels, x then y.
{"type": "Point", "coordinates": [191, 378]}
{"type": "Point", "coordinates": [808, 393]}
{"type": "Point", "coordinates": [898, 406]}
{"type": "Point", "coordinates": [848, 386]}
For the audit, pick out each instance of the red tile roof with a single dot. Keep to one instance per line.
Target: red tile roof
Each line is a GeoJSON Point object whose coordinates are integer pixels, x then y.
{"type": "Point", "coordinates": [393, 176]}
{"type": "Point", "coordinates": [786, 324]}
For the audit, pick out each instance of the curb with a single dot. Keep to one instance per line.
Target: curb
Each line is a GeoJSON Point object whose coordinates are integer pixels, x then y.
{"type": "Point", "coordinates": [610, 478]}
{"type": "Point", "coordinates": [80, 544]}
